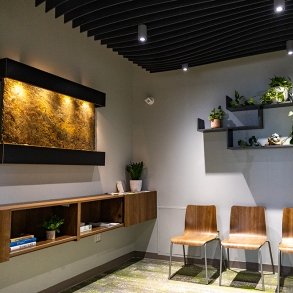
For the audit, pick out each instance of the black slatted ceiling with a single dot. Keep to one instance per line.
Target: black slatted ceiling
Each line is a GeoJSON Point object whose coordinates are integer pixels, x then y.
{"type": "Point", "coordinates": [180, 31]}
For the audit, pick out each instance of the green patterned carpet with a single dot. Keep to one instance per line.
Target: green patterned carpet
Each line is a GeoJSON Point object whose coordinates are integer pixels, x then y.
{"type": "Point", "coordinates": [151, 275]}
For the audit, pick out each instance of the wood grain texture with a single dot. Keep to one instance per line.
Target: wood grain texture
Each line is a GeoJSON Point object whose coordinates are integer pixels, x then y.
{"type": "Point", "coordinates": [140, 207]}
{"type": "Point", "coordinates": [247, 228]}
{"type": "Point", "coordinates": [200, 226]}
{"type": "Point", "coordinates": [5, 224]}
{"type": "Point", "coordinates": [27, 218]}
{"type": "Point", "coordinates": [286, 244]}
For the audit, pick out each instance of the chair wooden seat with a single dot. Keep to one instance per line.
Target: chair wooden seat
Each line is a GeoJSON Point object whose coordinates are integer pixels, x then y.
{"type": "Point", "coordinates": [200, 229]}
{"type": "Point", "coordinates": [286, 245]}
{"type": "Point", "coordinates": [248, 242]}
{"type": "Point", "coordinates": [194, 239]}
{"type": "Point", "coordinates": [247, 231]}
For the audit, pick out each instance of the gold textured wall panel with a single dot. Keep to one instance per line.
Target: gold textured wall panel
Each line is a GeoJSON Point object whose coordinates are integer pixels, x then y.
{"type": "Point", "coordinates": [36, 116]}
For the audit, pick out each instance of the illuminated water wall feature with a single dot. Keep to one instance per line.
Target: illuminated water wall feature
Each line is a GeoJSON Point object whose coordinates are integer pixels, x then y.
{"type": "Point", "coordinates": [40, 117]}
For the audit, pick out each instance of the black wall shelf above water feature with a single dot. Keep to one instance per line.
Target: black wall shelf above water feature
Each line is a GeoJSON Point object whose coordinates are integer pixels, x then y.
{"type": "Point", "coordinates": [29, 154]}
{"type": "Point", "coordinates": [230, 130]}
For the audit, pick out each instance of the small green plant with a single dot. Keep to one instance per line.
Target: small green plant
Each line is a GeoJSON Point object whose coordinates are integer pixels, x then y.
{"type": "Point", "coordinates": [280, 81]}
{"type": "Point", "coordinates": [53, 223]}
{"type": "Point", "coordinates": [135, 170]}
{"type": "Point", "coordinates": [240, 100]}
{"type": "Point", "coordinates": [217, 114]}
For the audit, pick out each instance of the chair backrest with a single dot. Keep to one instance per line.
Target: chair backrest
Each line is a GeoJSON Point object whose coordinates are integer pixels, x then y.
{"type": "Point", "coordinates": [202, 219]}
{"type": "Point", "coordinates": [287, 223]}
{"type": "Point", "coordinates": [248, 220]}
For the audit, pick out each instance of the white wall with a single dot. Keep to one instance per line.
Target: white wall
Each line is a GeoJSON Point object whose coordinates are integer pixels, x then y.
{"type": "Point", "coordinates": [31, 36]}
{"type": "Point", "coordinates": [188, 167]}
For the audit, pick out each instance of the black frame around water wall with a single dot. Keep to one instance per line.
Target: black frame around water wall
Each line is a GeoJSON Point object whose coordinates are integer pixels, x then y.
{"type": "Point", "coordinates": [27, 154]}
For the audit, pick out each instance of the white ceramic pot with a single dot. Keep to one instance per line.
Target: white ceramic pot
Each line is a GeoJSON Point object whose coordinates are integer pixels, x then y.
{"type": "Point", "coordinates": [51, 235]}
{"type": "Point", "coordinates": [135, 185]}
{"type": "Point", "coordinates": [281, 89]}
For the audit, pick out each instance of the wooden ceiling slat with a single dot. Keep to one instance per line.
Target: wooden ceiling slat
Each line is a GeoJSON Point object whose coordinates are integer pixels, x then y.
{"type": "Point", "coordinates": [50, 4]}
{"type": "Point", "coordinates": [216, 50]}
{"type": "Point", "coordinates": [180, 31]}
{"type": "Point", "coordinates": [182, 34]}
{"type": "Point", "coordinates": [144, 16]}
{"type": "Point", "coordinates": [70, 5]}
{"type": "Point", "coordinates": [206, 38]}
{"type": "Point", "coordinates": [164, 22]}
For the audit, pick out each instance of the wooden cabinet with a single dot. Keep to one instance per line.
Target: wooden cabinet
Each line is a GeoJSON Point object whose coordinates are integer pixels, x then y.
{"type": "Point", "coordinates": [140, 207]}
{"type": "Point", "coordinates": [27, 218]}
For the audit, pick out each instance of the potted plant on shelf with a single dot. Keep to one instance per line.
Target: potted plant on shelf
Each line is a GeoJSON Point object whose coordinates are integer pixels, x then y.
{"type": "Point", "coordinates": [52, 226]}
{"type": "Point", "coordinates": [281, 85]}
{"type": "Point", "coordinates": [216, 116]}
{"type": "Point", "coordinates": [135, 172]}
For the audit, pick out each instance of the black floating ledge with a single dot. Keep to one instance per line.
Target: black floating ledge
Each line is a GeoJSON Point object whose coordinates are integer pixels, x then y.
{"type": "Point", "coordinates": [22, 72]}
{"type": "Point", "coordinates": [26, 154]}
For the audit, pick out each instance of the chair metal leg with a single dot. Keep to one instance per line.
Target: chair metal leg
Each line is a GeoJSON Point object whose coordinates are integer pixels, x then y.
{"type": "Point", "coordinates": [170, 261]}
{"type": "Point", "coordinates": [184, 255]}
{"type": "Point", "coordinates": [279, 270]}
{"type": "Point", "coordinates": [228, 258]}
{"type": "Point", "coordinates": [261, 270]}
{"type": "Point", "coordinates": [270, 249]}
{"type": "Point", "coordinates": [205, 263]}
{"type": "Point", "coordinates": [221, 261]}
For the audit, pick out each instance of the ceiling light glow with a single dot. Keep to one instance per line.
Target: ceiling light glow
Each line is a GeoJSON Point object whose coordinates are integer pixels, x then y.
{"type": "Point", "coordinates": [279, 5]}
{"type": "Point", "coordinates": [142, 33]}
{"type": "Point", "coordinates": [185, 66]}
{"type": "Point", "coordinates": [289, 45]}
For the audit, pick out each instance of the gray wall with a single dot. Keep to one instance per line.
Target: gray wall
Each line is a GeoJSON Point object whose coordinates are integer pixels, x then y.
{"type": "Point", "coordinates": [188, 167]}
{"type": "Point", "coordinates": [183, 165]}
{"type": "Point", "coordinates": [30, 36]}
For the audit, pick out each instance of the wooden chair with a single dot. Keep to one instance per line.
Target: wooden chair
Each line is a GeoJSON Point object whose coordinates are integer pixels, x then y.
{"type": "Point", "coordinates": [247, 231]}
{"type": "Point", "coordinates": [200, 229]}
{"type": "Point", "coordinates": [286, 245]}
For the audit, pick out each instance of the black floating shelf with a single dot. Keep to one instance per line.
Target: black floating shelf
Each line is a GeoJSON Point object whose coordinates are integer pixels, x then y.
{"type": "Point", "coordinates": [255, 107]}
{"type": "Point", "coordinates": [22, 72]}
{"type": "Point", "coordinates": [262, 147]}
{"type": "Point", "coordinates": [26, 154]}
{"type": "Point", "coordinates": [201, 125]}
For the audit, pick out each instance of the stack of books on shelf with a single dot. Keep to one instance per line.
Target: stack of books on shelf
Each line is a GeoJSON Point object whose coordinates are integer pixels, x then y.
{"type": "Point", "coordinates": [22, 242]}
{"type": "Point", "coordinates": [85, 228]}
{"type": "Point", "coordinates": [105, 224]}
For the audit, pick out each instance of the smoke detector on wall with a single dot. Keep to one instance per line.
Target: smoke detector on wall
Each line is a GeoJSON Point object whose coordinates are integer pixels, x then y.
{"type": "Point", "coordinates": [149, 100]}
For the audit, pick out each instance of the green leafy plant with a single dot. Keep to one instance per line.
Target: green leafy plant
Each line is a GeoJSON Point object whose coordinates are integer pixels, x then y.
{"type": "Point", "coordinates": [240, 100]}
{"type": "Point", "coordinates": [272, 95]}
{"type": "Point", "coordinates": [280, 81]}
{"type": "Point", "coordinates": [135, 170]}
{"type": "Point", "coordinates": [217, 114]}
{"type": "Point", "coordinates": [53, 223]}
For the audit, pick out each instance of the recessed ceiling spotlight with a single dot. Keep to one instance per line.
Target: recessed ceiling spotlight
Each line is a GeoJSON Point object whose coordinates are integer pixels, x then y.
{"type": "Point", "coordinates": [279, 5]}
{"type": "Point", "coordinates": [185, 66]}
{"type": "Point", "coordinates": [289, 45]}
{"type": "Point", "coordinates": [142, 33]}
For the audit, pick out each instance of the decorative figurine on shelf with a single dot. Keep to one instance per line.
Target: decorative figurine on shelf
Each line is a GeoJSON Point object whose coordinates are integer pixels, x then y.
{"type": "Point", "coordinates": [252, 142]}
{"type": "Point", "coordinates": [216, 116]}
{"type": "Point", "coordinates": [275, 139]}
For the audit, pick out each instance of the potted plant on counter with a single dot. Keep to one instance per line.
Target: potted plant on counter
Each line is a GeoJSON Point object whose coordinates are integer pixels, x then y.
{"type": "Point", "coordinates": [216, 116]}
{"type": "Point", "coordinates": [135, 171]}
{"type": "Point", "coordinates": [52, 226]}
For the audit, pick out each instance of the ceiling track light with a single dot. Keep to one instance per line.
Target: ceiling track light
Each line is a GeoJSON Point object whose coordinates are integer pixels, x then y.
{"type": "Point", "coordinates": [279, 6]}
{"type": "Point", "coordinates": [289, 45]}
{"type": "Point", "coordinates": [142, 33]}
{"type": "Point", "coordinates": [185, 66]}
